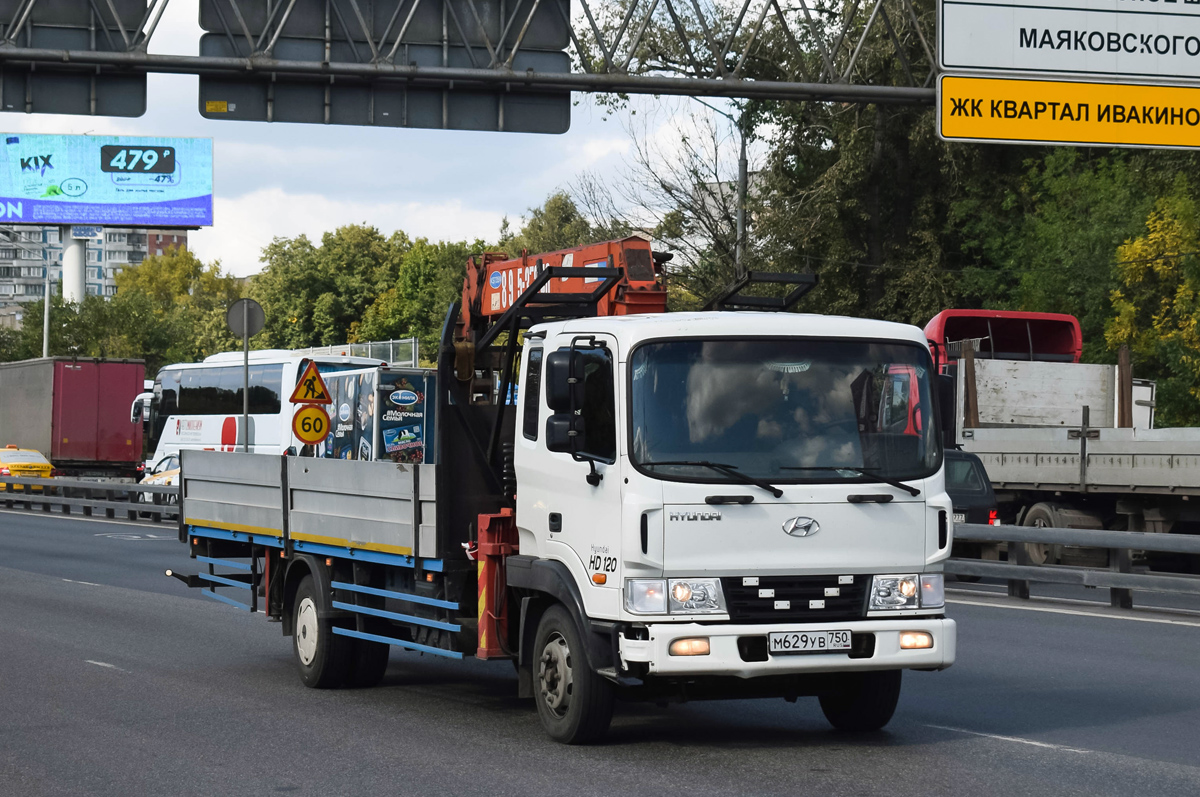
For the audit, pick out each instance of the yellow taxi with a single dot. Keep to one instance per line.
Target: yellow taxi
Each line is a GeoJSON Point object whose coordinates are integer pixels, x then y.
{"type": "Point", "coordinates": [166, 473]}
{"type": "Point", "coordinates": [24, 463]}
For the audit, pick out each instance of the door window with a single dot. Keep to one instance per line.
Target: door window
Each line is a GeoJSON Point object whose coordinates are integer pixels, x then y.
{"type": "Point", "coordinates": [599, 409]}
{"type": "Point", "coordinates": [531, 388]}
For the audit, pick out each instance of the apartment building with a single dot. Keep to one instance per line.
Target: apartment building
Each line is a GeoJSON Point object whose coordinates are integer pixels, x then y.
{"type": "Point", "coordinates": [27, 251]}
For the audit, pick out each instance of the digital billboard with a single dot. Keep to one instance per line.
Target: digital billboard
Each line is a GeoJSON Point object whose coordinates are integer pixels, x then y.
{"type": "Point", "coordinates": [122, 181]}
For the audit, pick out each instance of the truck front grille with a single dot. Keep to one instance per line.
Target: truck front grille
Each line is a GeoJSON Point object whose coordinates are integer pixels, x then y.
{"type": "Point", "coordinates": [800, 593]}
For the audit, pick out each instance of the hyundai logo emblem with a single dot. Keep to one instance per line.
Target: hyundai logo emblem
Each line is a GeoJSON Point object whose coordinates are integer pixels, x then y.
{"type": "Point", "coordinates": [801, 527]}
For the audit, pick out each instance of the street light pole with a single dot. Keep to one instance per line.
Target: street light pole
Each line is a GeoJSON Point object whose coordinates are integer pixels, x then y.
{"type": "Point", "coordinates": [741, 207]}
{"type": "Point", "coordinates": [743, 177]}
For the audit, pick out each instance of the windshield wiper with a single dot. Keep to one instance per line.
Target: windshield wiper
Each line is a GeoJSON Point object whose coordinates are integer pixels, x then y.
{"type": "Point", "coordinates": [720, 467]}
{"type": "Point", "coordinates": [868, 472]}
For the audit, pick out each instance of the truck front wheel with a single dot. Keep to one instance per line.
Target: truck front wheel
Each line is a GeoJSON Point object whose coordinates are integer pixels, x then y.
{"type": "Point", "coordinates": [864, 701]}
{"type": "Point", "coordinates": [321, 657]}
{"type": "Point", "coordinates": [574, 703]}
{"type": "Point", "coordinates": [368, 664]}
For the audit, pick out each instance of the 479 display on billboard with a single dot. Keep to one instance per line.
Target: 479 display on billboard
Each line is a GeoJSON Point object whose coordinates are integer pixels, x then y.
{"type": "Point", "coordinates": [116, 180]}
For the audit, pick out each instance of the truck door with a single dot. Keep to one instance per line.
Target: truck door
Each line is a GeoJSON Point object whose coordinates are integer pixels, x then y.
{"type": "Point", "coordinates": [568, 517]}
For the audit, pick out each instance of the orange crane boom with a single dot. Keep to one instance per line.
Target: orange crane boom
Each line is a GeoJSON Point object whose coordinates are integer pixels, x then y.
{"type": "Point", "coordinates": [494, 281]}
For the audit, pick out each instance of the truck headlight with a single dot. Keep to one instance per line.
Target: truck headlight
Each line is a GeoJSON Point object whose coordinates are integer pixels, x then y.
{"type": "Point", "coordinates": [908, 592]}
{"type": "Point", "coordinates": [695, 596]}
{"type": "Point", "coordinates": [646, 595]}
{"type": "Point", "coordinates": [895, 592]}
{"type": "Point", "coordinates": [674, 596]}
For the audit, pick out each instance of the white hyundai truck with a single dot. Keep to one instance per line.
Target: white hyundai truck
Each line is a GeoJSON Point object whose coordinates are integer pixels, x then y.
{"type": "Point", "coordinates": [666, 507]}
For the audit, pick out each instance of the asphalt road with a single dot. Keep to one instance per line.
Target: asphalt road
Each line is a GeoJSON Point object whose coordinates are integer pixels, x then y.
{"type": "Point", "coordinates": [115, 680]}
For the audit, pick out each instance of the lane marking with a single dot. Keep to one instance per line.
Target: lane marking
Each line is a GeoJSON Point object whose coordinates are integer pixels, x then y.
{"type": "Point", "coordinates": [111, 521]}
{"type": "Point", "coordinates": [131, 537]}
{"type": "Point", "coordinates": [105, 665]}
{"type": "Point", "coordinates": [1003, 593]}
{"type": "Point", "coordinates": [1017, 739]}
{"type": "Point", "coordinates": [1102, 615]}
{"type": "Point", "coordinates": [88, 583]}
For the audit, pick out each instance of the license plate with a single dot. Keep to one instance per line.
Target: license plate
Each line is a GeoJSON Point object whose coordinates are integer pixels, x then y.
{"type": "Point", "coordinates": [808, 641]}
{"type": "Point", "coordinates": [960, 517]}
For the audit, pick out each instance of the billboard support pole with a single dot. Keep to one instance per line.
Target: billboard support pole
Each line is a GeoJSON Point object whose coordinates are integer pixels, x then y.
{"type": "Point", "coordinates": [74, 259]}
{"type": "Point", "coordinates": [246, 377]}
{"type": "Point", "coordinates": [46, 315]}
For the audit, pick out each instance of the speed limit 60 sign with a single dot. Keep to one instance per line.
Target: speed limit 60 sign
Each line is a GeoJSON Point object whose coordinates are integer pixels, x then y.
{"type": "Point", "coordinates": [310, 424]}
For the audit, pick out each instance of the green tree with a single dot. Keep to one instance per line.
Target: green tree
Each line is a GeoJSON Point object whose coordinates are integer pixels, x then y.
{"type": "Point", "coordinates": [166, 308]}
{"type": "Point", "coordinates": [1156, 307]}
{"type": "Point", "coordinates": [1044, 238]}
{"type": "Point", "coordinates": [429, 281]}
{"type": "Point", "coordinates": [557, 224]}
{"type": "Point", "coordinates": [315, 296]}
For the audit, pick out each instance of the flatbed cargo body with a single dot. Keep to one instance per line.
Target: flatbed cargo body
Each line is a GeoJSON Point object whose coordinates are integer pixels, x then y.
{"type": "Point", "coordinates": [1064, 443]}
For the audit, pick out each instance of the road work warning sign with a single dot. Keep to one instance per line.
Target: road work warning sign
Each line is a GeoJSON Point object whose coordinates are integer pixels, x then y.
{"type": "Point", "coordinates": [1010, 110]}
{"type": "Point", "coordinates": [310, 388]}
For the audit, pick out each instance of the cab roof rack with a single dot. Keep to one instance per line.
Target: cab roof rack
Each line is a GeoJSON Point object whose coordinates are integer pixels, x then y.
{"type": "Point", "coordinates": [732, 299]}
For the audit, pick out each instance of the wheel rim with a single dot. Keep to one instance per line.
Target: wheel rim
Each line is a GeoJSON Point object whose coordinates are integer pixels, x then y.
{"type": "Point", "coordinates": [1038, 552]}
{"type": "Point", "coordinates": [306, 631]}
{"type": "Point", "coordinates": [554, 675]}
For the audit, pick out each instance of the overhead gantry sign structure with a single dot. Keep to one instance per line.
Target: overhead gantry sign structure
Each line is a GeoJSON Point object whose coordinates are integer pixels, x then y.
{"type": "Point", "coordinates": [464, 64]}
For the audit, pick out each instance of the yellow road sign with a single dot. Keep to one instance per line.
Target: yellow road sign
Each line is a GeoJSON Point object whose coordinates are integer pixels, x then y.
{"type": "Point", "coordinates": [1067, 112]}
{"type": "Point", "coordinates": [310, 424]}
{"type": "Point", "coordinates": [310, 388]}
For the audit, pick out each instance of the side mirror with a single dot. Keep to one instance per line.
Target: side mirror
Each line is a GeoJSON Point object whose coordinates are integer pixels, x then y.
{"type": "Point", "coordinates": [947, 416]}
{"type": "Point", "coordinates": [563, 395]}
{"type": "Point", "coordinates": [562, 431]}
{"type": "Point", "coordinates": [135, 413]}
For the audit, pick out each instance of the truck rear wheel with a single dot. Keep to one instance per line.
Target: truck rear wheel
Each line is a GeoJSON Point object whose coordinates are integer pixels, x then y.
{"type": "Point", "coordinates": [321, 657]}
{"type": "Point", "coordinates": [1040, 516]}
{"type": "Point", "coordinates": [574, 703]}
{"type": "Point", "coordinates": [864, 701]}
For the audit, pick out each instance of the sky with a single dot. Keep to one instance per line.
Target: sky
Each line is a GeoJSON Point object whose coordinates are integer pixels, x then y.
{"type": "Point", "coordinates": [282, 180]}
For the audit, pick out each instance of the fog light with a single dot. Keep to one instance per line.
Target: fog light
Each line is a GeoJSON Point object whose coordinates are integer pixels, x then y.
{"type": "Point", "coordinates": [915, 640]}
{"type": "Point", "coordinates": [697, 646]}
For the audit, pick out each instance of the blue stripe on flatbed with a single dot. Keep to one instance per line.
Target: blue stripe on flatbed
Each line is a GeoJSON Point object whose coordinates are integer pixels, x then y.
{"type": "Point", "coordinates": [360, 555]}
{"type": "Point", "coordinates": [404, 618]}
{"type": "Point", "coordinates": [229, 582]}
{"type": "Point", "coordinates": [450, 654]}
{"type": "Point", "coordinates": [223, 563]}
{"type": "Point", "coordinates": [223, 599]}
{"type": "Point", "coordinates": [400, 596]}
{"type": "Point", "coordinates": [320, 549]}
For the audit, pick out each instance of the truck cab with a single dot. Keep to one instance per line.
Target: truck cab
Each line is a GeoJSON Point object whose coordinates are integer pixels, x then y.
{"type": "Point", "coordinates": [733, 500]}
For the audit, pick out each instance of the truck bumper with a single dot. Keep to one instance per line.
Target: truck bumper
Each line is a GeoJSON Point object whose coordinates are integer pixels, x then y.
{"type": "Point", "coordinates": [727, 657]}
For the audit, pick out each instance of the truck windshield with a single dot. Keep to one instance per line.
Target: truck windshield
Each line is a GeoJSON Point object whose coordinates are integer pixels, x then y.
{"type": "Point", "coordinates": [785, 410]}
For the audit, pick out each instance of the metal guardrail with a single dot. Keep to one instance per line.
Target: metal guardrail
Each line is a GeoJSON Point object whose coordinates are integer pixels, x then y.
{"type": "Point", "coordinates": [112, 498]}
{"type": "Point", "coordinates": [126, 498]}
{"type": "Point", "coordinates": [1118, 577]}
